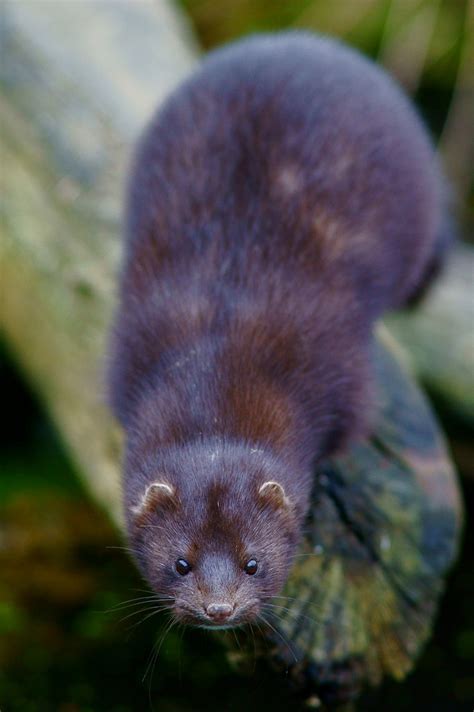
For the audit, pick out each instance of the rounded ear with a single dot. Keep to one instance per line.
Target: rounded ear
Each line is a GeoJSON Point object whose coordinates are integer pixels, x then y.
{"type": "Point", "coordinates": [157, 495]}
{"type": "Point", "coordinates": [272, 492]}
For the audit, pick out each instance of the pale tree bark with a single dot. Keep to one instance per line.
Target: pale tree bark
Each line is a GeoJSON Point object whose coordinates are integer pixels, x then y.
{"type": "Point", "coordinates": [78, 80]}
{"type": "Point", "coordinates": [439, 335]}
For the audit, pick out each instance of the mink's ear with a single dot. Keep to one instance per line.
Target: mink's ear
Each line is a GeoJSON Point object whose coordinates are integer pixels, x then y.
{"type": "Point", "coordinates": [272, 493]}
{"type": "Point", "coordinates": [157, 495]}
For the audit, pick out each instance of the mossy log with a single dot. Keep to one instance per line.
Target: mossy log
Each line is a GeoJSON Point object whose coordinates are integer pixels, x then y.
{"type": "Point", "coordinates": [385, 518]}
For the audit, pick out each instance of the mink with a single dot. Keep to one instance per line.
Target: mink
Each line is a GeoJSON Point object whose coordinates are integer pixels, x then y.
{"type": "Point", "coordinates": [282, 199]}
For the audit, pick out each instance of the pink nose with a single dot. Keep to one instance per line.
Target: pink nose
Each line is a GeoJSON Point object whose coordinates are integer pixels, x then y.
{"type": "Point", "coordinates": [219, 612]}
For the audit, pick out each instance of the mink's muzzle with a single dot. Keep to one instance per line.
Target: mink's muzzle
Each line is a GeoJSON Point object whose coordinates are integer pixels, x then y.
{"type": "Point", "coordinates": [219, 612]}
{"type": "Point", "coordinates": [217, 615]}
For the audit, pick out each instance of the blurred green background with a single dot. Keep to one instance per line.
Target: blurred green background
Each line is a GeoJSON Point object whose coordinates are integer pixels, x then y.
{"type": "Point", "coordinates": [63, 645]}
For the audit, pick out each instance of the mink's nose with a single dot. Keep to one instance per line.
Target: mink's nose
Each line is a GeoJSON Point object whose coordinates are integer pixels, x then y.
{"type": "Point", "coordinates": [219, 612]}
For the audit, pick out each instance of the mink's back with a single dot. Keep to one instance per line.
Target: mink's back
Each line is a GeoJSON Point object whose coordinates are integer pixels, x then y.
{"type": "Point", "coordinates": [291, 147]}
{"type": "Point", "coordinates": [288, 186]}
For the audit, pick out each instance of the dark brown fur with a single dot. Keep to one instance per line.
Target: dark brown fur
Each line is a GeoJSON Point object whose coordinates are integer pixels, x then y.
{"type": "Point", "coordinates": [283, 198]}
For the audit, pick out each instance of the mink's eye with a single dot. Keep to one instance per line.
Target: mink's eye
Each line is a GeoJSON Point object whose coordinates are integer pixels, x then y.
{"type": "Point", "coordinates": [251, 567]}
{"type": "Point", "coordinates": [182, 567]}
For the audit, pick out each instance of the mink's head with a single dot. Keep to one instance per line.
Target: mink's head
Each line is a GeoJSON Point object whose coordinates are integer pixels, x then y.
{"type": "Point", "coordinates": [213, 531]}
